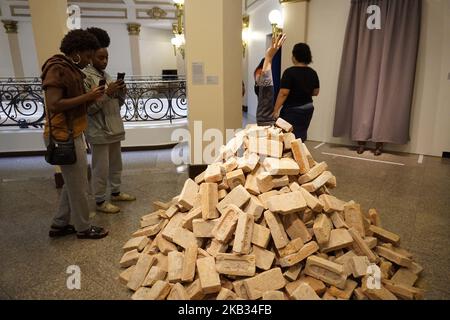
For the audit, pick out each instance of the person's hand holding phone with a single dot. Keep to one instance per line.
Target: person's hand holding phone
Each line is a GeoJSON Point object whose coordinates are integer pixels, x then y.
{"type": "Point", "coordinates": [96, 93]}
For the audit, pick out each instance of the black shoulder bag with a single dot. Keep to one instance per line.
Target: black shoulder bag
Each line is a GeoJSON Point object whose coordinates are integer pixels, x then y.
{"type": "Point", "coordinates": [61, 152]}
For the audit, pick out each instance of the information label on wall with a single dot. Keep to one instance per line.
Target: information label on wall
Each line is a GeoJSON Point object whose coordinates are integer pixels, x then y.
{"type": "Point", "coordinates": [212, 80]}
{"type": "Point", "coordinates": [198, 73]}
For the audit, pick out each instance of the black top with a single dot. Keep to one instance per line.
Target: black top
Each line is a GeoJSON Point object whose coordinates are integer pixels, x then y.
{"type": "Point", "coordinates": [302, 81]}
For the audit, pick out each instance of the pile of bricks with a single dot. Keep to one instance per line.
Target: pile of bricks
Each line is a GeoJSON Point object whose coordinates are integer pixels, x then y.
{"type": "Point", "coordinates": [261, 223]}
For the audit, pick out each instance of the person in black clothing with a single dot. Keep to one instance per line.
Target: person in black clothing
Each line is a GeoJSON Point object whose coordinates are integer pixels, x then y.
{"type": "Point", "coordinates": [298, 85]}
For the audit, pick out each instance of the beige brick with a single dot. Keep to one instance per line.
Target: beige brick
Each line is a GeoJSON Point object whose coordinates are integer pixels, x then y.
{"type": "Point", "coordinates": [327, 271]}
{"type": "Point", "coordinates": [150, 231]}
{"type": "Point", "coordinates": [244, 233]}
{"type": "Point", "coordinates": [361, 245]}
{"type": "Point", "coordinates": [129, 258]}
{"type": "Point", "coordinates": [293, 272]}
{"type": "Point", "coordinates": [403, 291]}
{"type": "Point", "coordinates": [277, 231]}
{"type": "Point", "coordinates": [377, 294]}
{"type": "Point", "coordinates": [287, 203]}
{"type": "Point", "coordinates": [322, 229]}
{"type": "Point", "coordinates": [339, 239]}
{"type": "Point", "coordinates": [281, 167]}
{"type": "Point", "coordinates": [415, 268]}
{"type": "Point", "coordinates": [331, 183]}
{"type": "Point", "coordinates": [208, 275]}
{"type": "Point", "coordinates": [281, 181]}
{"type": "Point", "coordinates": [178, 292]}
{"type": "Point", "coordinates": [354, 218]}
{"type": "Point", "coordinates": [224, 184]}
{"type": "Point", "coordinates": [313, 173]}
{"type": "Point", "coordinates": [189, 262]}
{"type": "Point", "coordinates": [164, 245]}
{"type": "Point", "coordinates": [293, 247]}
{"type": "Point", "coordinates": [299, 153]}
{"type": "Point", "coordinates": [331, 203]}
{"type": "Point", "coordinates": [394, 257]}
{"type": "Point", "coordinates": [137, 243]}
{"type": "Point", "coordinates": [306, 251]}
{"type": "Point", "coordinates": [374, 218]}
{"type": "Point", "coordinates": [124, 276]}
{"type": "Point", "coordinates": [151, 219]}
{"type": "Point", "coordinates": [173, 209]}
{"type": "Point", "coordinates": [230, 164]}
{"type": "Point", "coordinates": [140, 272]}
{"type": "Point", "coordinates": [188, 194]}
{"type": "Point", "coordinates": [294, 186]}
{"type": "Point", "coordinates": [385, 235]}
{"type": "Point", "coordinates": [240, 289]}
{"type": "Point", "coordinates": [328, 296]}
{"type": "Point", "coordinates": [284, 125]}
{"type": "Point", "coordinates": [222, 194]}
{"type": "Point", "coordinates": [359, 294]}
{"type": "Point", "coordinates": [305, 292]}
{"type": "Point", "coordinates": [185, 238]}
{"type": "Point", "coordinates": [266, 281]}
{"type": "Point", "coordinates": [264, 181]}
{"type": "Point", "coordinates": [338, 220]}
{"type": "Point", "coordinates": [296, 228]}
{"type": "Point", "coordinates": [359, 266]}
{"type": "Point", "coordinates": [317, 285]}
{"type": "Point", "coordinates": [346, 293]}
{"type": "Point", "coordinates": [254, 207]}
{"type": "Point", "coordinates": [200, 178]}
{"type": "Point", "coordinates": [203, 253]}
{"type": "Point", "coordinates": [265, 147]}
{"type": "Point", "coordinates": [235, 178]}
{"type": "Point", "coordinates": [251, 185]}
{"type": "Point", "coordinates": [175, 266]}
{"type": "Point", "coordinates": [159, 205]}
{"type": "Point", "coordinates": [308, 216]}
{"type": "Point", "coordinates": [317, 183]}
{"type": "Point", "coordinates": [404, 277]}
{"type": "Point", "coordinates": [226, 294]}
{"type": "Point", "coordinates": [174, 224]}
{"type": "Point", "coordinates": [216, 247]}
{"type": "Point", "coordinates": [261, 235]}
{"type": "Point", "coordinates": [213, 174]}
{"type": "Point", "coordinates": [264, 197]}
{"type": "Point", "coordinates": [312, 202]}
{"type": "Point", "coordinates": [287, 140]}
{"type": "Point", "coordinates": [264, 258]}
{"type": "Point", "coordinates": [159, 291]}
{"type": "Point", "coordinates": [155, 274]}
{"type": "Point", "coordinates": [236, 265]}
{"type": "Point", "coordinates": [273, 295]}
{"type": "Point", "coordinates": [224, 230]}
{"type": "Point", "coordinates": [238, 197]}
{"type": "Point", "coordinates": [203, 228]}
{"type": "Point", "coordinates": [195, 291]}
{"type": "Point", "coordinates": [248, 163]}
{"type": "Point", "coordinates": [371, 242]}
{"type": "Point", "coordinates": [209, 199]}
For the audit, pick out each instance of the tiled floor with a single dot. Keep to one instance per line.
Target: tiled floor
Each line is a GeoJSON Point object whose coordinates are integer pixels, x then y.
{"type": "Point", "coordinates": [413, 201]}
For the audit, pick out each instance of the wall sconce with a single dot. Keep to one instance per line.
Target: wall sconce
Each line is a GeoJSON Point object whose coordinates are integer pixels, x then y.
{"type": "Point", "coordinates": [276, 20]}
{"type": "Point", "coordinates": [245, 33]}
{"type": "Point", "coordinates": [178, 41]}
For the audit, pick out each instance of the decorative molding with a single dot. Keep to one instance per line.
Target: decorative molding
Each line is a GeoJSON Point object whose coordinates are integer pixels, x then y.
{"type": "Point", "coordinates": [134, 29]}
{"type": "Point", "coordinates": [292, 1]}
{"type": "Point", "coordinates": [10, 26]}
{"type": "Point", "coordinates": [156, 13]}
{"type": "Point", "coordinates": [249, 3]}
{"type": "Point", "coordinates": [144, 15]}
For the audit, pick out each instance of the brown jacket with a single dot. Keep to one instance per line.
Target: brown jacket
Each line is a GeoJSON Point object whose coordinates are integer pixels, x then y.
{"type": "Point", "coordinates": [60, 72]}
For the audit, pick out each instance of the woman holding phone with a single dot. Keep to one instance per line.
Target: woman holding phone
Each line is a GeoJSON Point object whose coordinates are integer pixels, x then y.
{"type": "Point", "coordinates": [105, 128]}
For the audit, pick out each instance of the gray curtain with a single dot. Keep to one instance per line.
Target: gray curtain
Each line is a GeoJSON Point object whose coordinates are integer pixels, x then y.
{"type": "Point", "coordinates": [376, 81]}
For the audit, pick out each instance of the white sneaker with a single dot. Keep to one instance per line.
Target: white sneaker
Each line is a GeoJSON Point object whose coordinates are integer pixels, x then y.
{"type": "Point", "coordinates": [107, 207]}
{"type": "Point", "coordinates": [123, 197]}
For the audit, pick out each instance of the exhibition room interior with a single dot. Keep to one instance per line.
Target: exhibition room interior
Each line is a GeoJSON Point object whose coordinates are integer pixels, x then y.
{"type": "Point", "coordinates": [183, 166]}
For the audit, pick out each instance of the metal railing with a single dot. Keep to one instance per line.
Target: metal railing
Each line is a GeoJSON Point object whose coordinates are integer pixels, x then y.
{"type": "Point", "coordinates": [147, 99]}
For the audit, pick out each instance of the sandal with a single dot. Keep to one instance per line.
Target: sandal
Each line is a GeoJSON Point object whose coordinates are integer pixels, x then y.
{"type": "Point", "coordinates": [93, 233]}
{"type": "Point", "coordinates": [56, 231]}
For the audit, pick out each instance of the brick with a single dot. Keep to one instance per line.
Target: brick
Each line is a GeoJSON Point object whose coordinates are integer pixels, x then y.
{"type": "Point", "coordinates": [222, 194]}
{"type": "Point", "coordinates": [322, 229]}
{"type": "Point", "coordinates": [140, 272]}
{"type": "Point", "coordinates": [374, 217]}
{"type": "Point", "coordinates": [281, 181]}
{"type": "Point", "coordinates": [155, 274]}
{"type": "Point", "coordinates": [371, 242]}
{"type": "Point", "coordinates": [203, 253]}
{"type": "Point", "coordinates": [195, 291]}
{"type": "Point", "coordinates": [137, 243]}
{"type": "Point", "coordinates": [186, 221]}
{"type": "Point", "coordinates": [377, 294]}
{"type": "Point", "coordinates": [213, 174]}
{"type": "Point", "coordinates": [317, 183]}
{"type": "Point", "coordinates": [216, 247]}
{"type": "Point", "coordinates": [284, 125]}
{"type": "Point", "coordinates": [359, 294]}
{"type": "Point", "coordinates": [287, 140]}
{"type": "Point", "coordinates": [244, 233]}
{"type": "Point", "coordinates": [386, 268]}
{"type": "Point", "coordinates": [248, 163]}
{"type": "Point", "coordinates": [151, 219]}
{"type": "Point", "coordinates": [240, 290]}
{"type": "Point", "coordinates": [339, 239]}
{"type": "Point", "coordinates": [331, 183]}
{"type": "Point", "coordinates": [224, 184]}
{"type": "Point", "coordinates": [305, 292]}
{"type": "Point", "coordinates": [313, 173]}
{"type": "Point", "coordinates": [264, 197]}
{"type": "Point", "coordinates": [265, 147]}
{"type": "Point", "coordinates": [394, 257]}
{"type": "Point", "coordinates": [361, 245]}
{"type": "Point", "coordinates": [261, 235]}
{"type": "Point", "coordinates": [203, 228]}
{"type": "Point", "coordinates": [311, 201]}
{"type": "Point", "coordinates": [236, 265]}
{"type": "Point", "coordinates": [299, 153]}
{"type": "Point", "coordinates": [296, 228]}
{"type": "Point", "coordinates": [208, 275]}
{"type": "Point", "coordinates": [273, 295]}
{"type": "Point", "coordinates": [346, 293]}
{"type": "Point", "coordinates": [331, 203]}
{"type": "Point", "coordinates": [293, 247]}
{"type": "Point", "coordinates": [200, 178]}
{"type": "Point", "coordinates": [306, 251]}
{"type": "Point", "coordinates": [415, 268]}
{"type": "Point", "coordinates": [354, 218]}
{"type": "Point", "coordinates": [159, 291]}
{"type": "Point", "coordinates": [385, 235]}
{"type": "Point", "coordinates": [159, 205]}
{"type": "Point", "coordinates": [338, 220]}
{"type": "Point", "coordinates": [189, 262]}
{"type": "Point", "coordinates": [264, 181]}
{"type": "Point", "coordinates": [281, 167]}
{"type": "Point", "coordinates": [174, 224]}
{"type": "Point", "coordinates": [226, 294]}
{"type": "Point", "coordinates": [317, 285]}
{"type": "Point", "coordinates": [185, 238]}
{"type": "Point", "coordinates": [129, 258]}
{"type": "Point", "coordinates": [238, 197]}
{"type": "Point", "coordinates": [251, 185]}
{"type": "Point", "coordinates": [124, 276]}
{"type": "Point", "coordinates": [209, 200]}
{"type": "Point", "coordinates": [150, 231]}
{"type": "Point", "coordinates": [254, 207]}
{"type": "Point", "coordinates": [287, 203]}
{"type": "Point", "coordinates": [235, 178]}
{"type": "Point", "coordinates": [224, 230]}
{"type": "Point", "coordinates": [327, 271]}
{"type": "Point", "coordinates": [404, 277]}
{"type": "Point", "coordinates": [264, 258]}
{"type": "Point", "coordinates": [266, 281]}
{"type": "Point", "coordinates": [188, 194]}
{"type": "Point", "coordinates": [178, 292]}
{"type": "Point", "coordinates": [277, 231]}
{"type": "Point", "coordinates": [293, 272]}
{"type": "Point", "coordinates": [359, 265]}
{"type": "Point", "coordinates": [403, 291]}
{"type": "Point", "coordinates": [230, 164]}
{"type": "Point", "coordinates": [328, 296]}
{"type": "Point", "coordinates": [173, 209]}
{"type": "Point", "coordinates": [164, 245]}
{"type": "Point", "coordinates": [175, 266]}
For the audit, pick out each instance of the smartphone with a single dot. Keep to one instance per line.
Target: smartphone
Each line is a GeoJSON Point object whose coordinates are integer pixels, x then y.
{"type": "Point", "coordinates": [102, 83]}
{"type": "Point", "coordinates": [120, 76]}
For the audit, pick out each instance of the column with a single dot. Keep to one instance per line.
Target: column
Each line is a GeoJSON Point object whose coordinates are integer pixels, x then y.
{"type": "Point", "coordinates": [49, 21]}
{"type": "Point", "coordinates": [295, 14]}
{"type": "Point", "coordinates": [214, 44]}
{"type": "Point", "coordinates": [133, 30]}
{"type": "Point", "coordinates": [11, 29]}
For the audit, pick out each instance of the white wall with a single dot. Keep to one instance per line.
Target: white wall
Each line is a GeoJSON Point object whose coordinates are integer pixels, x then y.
{"type": "Point", "coordinates": [6, 67]}
{"type": "Point", "coordinates": [28, 50]}
{"type": "Point", "coordinates": [156, 51]}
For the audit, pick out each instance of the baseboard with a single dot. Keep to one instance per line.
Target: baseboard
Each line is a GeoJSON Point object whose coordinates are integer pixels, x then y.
{"type": "Point", "coordinates": [195, 170]}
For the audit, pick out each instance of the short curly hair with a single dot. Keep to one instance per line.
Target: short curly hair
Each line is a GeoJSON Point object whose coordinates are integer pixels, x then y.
{"type": "Point", "coordinates": [302, 53]}
{"type": "Point", "coordinates": [77, 41]}
{"type": "Point", "coordinates": [101, 35]}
